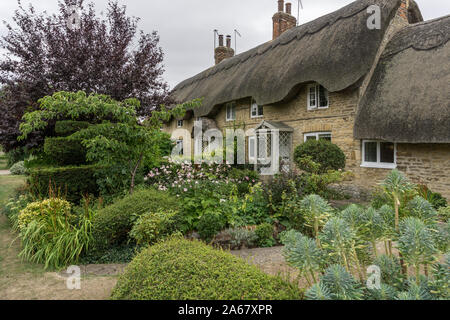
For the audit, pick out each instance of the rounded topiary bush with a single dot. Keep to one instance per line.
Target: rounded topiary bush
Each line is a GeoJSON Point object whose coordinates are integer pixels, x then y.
{"type": "Point", "coordinates": [178, 269]}
{"type": "Point", "coordinates": [323, 152]}
{"type": "Point", "coordinates": [18, 169]}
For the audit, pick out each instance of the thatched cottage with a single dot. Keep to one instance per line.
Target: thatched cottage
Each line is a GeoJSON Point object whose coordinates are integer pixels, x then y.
{"type": "Point", "coordinates": [381, 94]}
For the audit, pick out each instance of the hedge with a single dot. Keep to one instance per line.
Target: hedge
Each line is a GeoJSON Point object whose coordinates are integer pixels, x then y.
{"type": "Point", "coordinates": [178, 269]}
{"type": "Point", "coordinates": [65, 151]}
{"type": "Point", "coordinates": [70, 182]}
{"type": "Point", "coordinates": [69, 127]}
{"type": "Point", "coordinates": [112, 224]}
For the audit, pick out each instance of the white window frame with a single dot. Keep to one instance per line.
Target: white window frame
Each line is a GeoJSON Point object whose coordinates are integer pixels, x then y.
{"type": "Point", "coordinates": [231, 105]}
{"type": "Point", "coordinates": [317, 94]}
{"type": "Point", "coordinates": [378, 164]}
{"type": "Point", "coordinates": [316, 135]}
{"type": "Point", "coordinates": [180, 123]}
{"type": "Point", "coordinates": [255, 150]}
{"type": "Point", "coordinates": [253, 105]}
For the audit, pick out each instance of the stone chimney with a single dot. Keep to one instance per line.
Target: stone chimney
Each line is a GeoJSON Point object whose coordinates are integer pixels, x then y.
{"type": "Point", "coordinates": [283, 21]}
{"type": "Point", "coordinates": [223, 52]}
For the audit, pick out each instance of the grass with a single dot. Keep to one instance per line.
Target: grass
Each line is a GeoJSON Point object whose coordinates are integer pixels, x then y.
{"type": "Point", "coordinates": [7, 186]}
{"type": "Point", "coordinates": [29, 281]}
{"type": "Point", "coordinates": [3, 161]}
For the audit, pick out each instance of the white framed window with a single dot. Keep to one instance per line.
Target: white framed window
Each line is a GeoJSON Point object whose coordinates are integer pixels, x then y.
{"type": "Point", "coordinates": [180, 123]}
{"type": "Point", "coordinates": [252, 148]}
{"type": "Point", "coordinates": [180, 146]}
{"type": "Point", "coordinates": [379, 154]}
{"type": "Point", "coordinates": [317, 97]}
{"type": "Point", "coordinates": [318, 136]}
{"type": "Point", "coordinates": [256, 111]}
{"type": "Point", "coordinates": [231, 111]}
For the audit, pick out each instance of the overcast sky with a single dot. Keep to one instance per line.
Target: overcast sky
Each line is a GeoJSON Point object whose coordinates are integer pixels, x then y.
{"type": "Point", "coordinates": [186, 26]}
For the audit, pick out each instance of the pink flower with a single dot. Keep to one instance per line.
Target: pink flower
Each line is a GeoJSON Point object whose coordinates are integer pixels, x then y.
{"type": "Point", "coordinates": [185, 190]}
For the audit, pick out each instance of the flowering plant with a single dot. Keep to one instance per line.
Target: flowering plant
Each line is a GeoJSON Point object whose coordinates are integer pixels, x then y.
{"type": "Point", "coordinates": [181, 177]}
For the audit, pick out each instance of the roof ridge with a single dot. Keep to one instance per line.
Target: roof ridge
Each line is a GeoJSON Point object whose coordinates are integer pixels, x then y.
{"type": "Point", "coordinates": [286, 38]}
{"type": "Point", "coordinates": [422, 39]}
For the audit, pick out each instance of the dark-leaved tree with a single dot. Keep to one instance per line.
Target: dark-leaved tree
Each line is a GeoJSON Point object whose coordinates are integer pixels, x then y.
{"type": "Point", "coordinates": [73, 51]}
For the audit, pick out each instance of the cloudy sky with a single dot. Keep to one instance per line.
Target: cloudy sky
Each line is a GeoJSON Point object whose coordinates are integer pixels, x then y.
{"type": "Point", "coordinates": [186, 26]}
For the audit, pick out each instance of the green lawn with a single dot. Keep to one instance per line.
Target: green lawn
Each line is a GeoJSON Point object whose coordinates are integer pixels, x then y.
{"type": "Point", "coordinates": [8, 184]}
{"type": "Point", "coordinates": [3, 161]}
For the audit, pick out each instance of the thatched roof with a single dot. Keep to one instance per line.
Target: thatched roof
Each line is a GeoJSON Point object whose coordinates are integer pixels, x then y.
{"type": "Point", "coordinates": [408, 98]}
{"type": "Point", "coordinates": [336, 50]}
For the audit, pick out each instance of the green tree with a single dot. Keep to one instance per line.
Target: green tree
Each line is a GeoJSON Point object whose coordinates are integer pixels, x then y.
{"type": "Point", "coordinates": [117, 141]}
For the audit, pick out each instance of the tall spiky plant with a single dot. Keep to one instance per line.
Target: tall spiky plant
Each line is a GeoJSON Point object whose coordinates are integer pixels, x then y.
{"type": "Point", "coordinates": [387, 213]}
{"type": "Point", "coordinates": [301, 252]}
{"type": "Point", "coordinates": [416, 243]}
{"type": "Point", "coordinates": [396, 186]}
{"type": "Point", "coordinates": [340, 241]}
{"type": "Point", "coordinates": [337, 284]}
{"type": "Point", "coordinates": [372, 226]}
{"type": "Point", "coordinates": [316, 211]}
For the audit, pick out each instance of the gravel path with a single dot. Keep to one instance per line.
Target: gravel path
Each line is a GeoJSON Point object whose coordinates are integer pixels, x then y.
{"type": "Point", "coordinates": [269, 260]}
{"type": "Point", "coordinates": [4, 173]}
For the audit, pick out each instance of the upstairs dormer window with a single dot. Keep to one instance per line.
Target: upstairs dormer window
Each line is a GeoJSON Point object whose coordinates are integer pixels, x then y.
{"type": "Point", "coordinates": [256, 111]}
{"type": "Point", "coordinates": [317, 97]}
{"type": "Point", "coordinates": [231, 111]}
{"type": "Point", "coordinates": [180, 123]}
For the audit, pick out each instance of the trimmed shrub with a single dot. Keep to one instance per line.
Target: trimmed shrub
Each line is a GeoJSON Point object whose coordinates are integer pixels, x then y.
{"type": "Point", "coordinates": [179, 269]}
{"type": "Point", "coordinates": [323, 152]}
{"type": "Point", "coordinates": [65, 151]}
{"type": "Point", "coordinates": [264, 232]}
{"type": "Point", "coordinates": [155, 226]}
{"type": "Point", "coordinates": [18, 169]}
{"type": "Point", "coordinates": [69, 127]}
{"type": "Point", "coordinates": [113, 223]}
{"type": "Point", "coordinates": [210, 224]}
{"type": "Point", "coordinates": [70, 182]}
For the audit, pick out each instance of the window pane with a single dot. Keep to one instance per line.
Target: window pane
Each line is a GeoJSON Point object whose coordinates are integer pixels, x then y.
{"type": "Point", "coordinates": [312, 96]}
{"type": "Point", "coordinates": [313, 137]}
{"type": "Point", "coordinates": [370, 154]}
{"type": "Point", "coordinates": [325, 136]}
{"type": "Point", "coordinates": [180, 146]}
{"type": "Point", "coordinates": [260, 111]}
{"type": "Point", "coordinates": [323, 96]}
{"type": "Point", "coordinates": [251, 147]}
{"type": "Point", "coordinates": [387, 150]}
{"type": "Point", "coordinates": [254, 109]}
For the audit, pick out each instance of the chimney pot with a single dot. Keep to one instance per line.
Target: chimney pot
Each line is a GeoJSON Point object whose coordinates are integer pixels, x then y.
{"type": "Point", "coordinates": [220, 40]}
{"type": "Point", "coordinates": [228, 41]}
{"type": "Point", "coordinates": [289, 8]}
{"type": "Point", "coordinates": [281, 5]}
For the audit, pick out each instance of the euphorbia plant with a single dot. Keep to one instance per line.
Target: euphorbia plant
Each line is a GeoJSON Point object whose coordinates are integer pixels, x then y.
{"type": "Point", "coordinates": [316, 211]}
{"type": "Point", "coordinates": [302, 253]}
{"type": "Point", "coordinates": [396, 186]}
{"type": "Point", "coordinates": [373, 227]}
{"type": "Point", "coordinates": [416, 244]}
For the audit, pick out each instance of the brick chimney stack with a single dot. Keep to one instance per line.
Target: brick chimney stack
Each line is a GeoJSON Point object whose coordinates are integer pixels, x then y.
{"type": "Point", "coordinates": [283, 21]}
{"type": "Point", "coordinates": [223, 52]}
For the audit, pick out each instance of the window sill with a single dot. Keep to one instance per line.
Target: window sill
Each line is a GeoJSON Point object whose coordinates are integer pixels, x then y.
{"type": "Point", "coordinates": [256, 117]}
{"type": "Point", "coordinates": [230, 120]}
{"type": "Point", "coordinates": [379, 165]}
